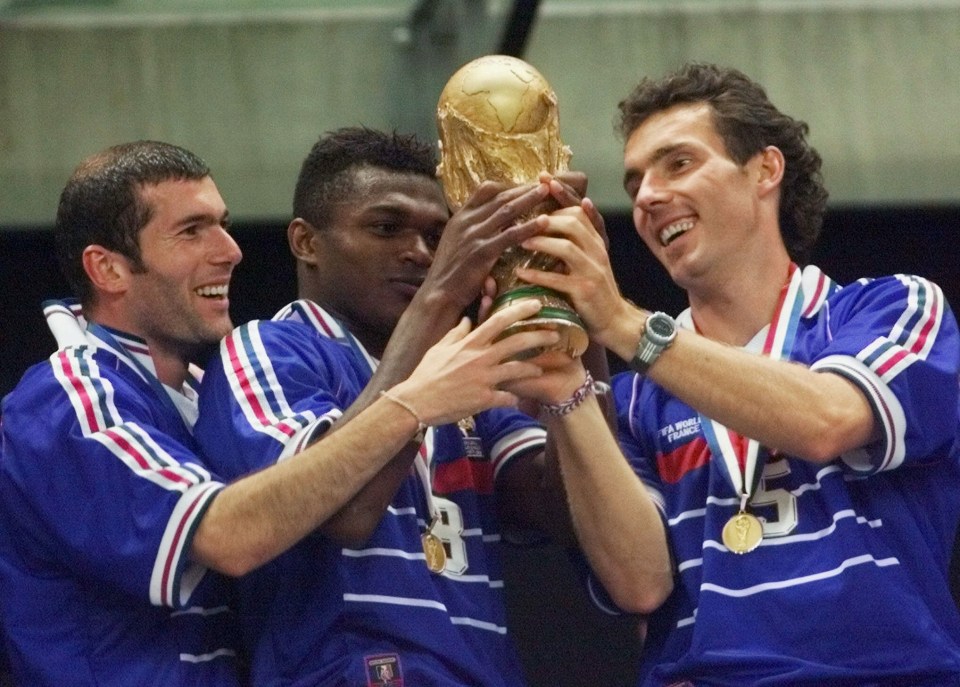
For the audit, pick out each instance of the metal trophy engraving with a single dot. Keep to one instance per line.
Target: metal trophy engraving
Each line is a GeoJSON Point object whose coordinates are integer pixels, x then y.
{"type": "Point", "coordinates": [497, 118]}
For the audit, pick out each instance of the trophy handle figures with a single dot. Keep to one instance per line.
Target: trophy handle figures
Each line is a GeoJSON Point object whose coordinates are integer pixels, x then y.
{"type": "Point", "coordinates": [497, 118]}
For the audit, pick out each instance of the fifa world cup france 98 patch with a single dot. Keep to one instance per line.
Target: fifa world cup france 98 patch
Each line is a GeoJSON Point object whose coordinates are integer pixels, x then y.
{"type": "Point", "coordinates": [383, 671]}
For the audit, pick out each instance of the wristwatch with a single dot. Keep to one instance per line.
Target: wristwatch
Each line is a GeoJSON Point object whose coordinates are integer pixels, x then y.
{"type": "Point", "coordinates": [658, 333]}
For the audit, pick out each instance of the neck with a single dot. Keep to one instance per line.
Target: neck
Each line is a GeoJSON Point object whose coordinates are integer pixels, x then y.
{"type": "Point", "coordinates": [171, 370]}
{"type": "Point", "coordinates": [170, 362]}
{"type": "Point", "coordinates": [734, 311]}
{"type": "Point", "coordinates": [372, 340]}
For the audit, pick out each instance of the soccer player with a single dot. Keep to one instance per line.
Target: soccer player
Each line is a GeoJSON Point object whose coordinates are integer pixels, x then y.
{"type": "Point", "coordinates": [402, 585]}
{"type": "Point", "coordinates": [794, 435]}
{"type": "Point", "coordinates": [113, 529]}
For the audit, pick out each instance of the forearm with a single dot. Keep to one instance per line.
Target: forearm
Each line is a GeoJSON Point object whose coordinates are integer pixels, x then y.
{"type": "Point", "coordinates": [428, 318]}
{"type": "Point", "coordinates": [617, 524]}
{"type": "Point", "coordinates": [419, 328]}
{"type": "Point", "coordinates": [263, 514]}
{"type": "Point", "coordinates": [783, 405]}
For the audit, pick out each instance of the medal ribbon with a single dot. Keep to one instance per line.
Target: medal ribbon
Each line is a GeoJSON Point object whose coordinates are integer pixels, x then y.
{"type": "Point", "coordinates": [424, 468]}
{"type": "Point", "coordinates": [740, 455]}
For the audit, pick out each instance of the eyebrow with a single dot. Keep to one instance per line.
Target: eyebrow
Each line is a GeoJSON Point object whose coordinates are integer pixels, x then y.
{"type": "Point", "coordinates": [660, 153]}
{"type": "Point", "coordinates": [204, 217]}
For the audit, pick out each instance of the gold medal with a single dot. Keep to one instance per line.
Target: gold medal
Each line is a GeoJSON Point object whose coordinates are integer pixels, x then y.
{"type": "Point", "coordinates": [742, 533]}
{"type": "Point", "coordinates": [436, 555]}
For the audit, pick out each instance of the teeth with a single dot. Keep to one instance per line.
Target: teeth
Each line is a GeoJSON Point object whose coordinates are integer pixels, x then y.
{"type": "Point", "coordinates": [212, 291]}
{"type": "Point", "coordinates": [674, 230]}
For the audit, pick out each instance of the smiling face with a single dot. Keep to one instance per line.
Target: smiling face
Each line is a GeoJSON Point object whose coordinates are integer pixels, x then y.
{"type": "Point", "coordinates": [367, 263]}
{"type": "Point", "coordinates": [179, 301]}
{"type": "Point", "coordinates": [696, 209]}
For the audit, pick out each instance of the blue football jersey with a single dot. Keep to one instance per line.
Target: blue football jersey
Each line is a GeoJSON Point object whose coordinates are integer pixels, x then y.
{"type": "Point", "coordinates": [849, 584]}
{"type": "Point", "coordinates": [322, 614]}
{"type": "Point", "coordinates": [100, 492]}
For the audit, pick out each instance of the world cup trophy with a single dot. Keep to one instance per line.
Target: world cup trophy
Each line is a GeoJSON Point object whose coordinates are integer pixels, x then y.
{"type": "Point", "coordinates": [498, 121]}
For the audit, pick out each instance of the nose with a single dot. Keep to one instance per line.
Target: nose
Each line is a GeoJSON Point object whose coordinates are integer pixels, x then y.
{"type": "Point", "coordinates": [418, 250]}
{"type": "Point", "coordinates": [227, 251]}
{"type": "Point", "coordinates": [650, 193]}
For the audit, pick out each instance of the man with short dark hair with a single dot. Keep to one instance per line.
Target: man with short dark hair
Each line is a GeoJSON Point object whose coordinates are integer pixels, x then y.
{"type": "Point", "coordinates": [790, 500]}
{"type": "Point", "coordinates": [101, 487]}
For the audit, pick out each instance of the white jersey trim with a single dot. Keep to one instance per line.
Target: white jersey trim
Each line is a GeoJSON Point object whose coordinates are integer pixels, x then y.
{"type": "Point", "coordinates": [167, 588]}
{"type": "Point", "coordinates": [865, 559]}
{"type": "Point", "coordinates": [887, 410]}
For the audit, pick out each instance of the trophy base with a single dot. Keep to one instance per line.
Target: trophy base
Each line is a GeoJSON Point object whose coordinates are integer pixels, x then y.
{"type": "Point", "coordinates": [573, 337]}
{"type": "Point", "coordinates": [555, 314]}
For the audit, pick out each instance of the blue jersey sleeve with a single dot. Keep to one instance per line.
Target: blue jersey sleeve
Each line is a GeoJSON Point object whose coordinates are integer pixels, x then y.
{"type": "Point", "coordinates": [275, 386]}
{"type": "Point", "coordinates": [507, 434]}
{"type": "Point", "coordinates": [101, 479]}
{"type": "Point", "coordinates": [896, 338]}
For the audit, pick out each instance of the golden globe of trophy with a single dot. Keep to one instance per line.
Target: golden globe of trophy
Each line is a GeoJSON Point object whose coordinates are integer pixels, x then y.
{"type": "Point", "coordinates": [497, 118]}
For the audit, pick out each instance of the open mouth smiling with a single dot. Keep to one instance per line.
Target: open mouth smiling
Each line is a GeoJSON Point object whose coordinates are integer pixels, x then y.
{"type": "Point", "coordinates": [670, 233]}
{"type": "Point", "coordinates": [219, 291]}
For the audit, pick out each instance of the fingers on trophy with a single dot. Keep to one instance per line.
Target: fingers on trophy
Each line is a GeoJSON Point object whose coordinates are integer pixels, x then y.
{"type": "Point", "coordinates": [498, 121]}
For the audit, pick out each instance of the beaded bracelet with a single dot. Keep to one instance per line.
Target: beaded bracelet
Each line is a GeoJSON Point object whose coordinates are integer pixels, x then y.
{"type": "Point", "coordinates": [584, 391]}
{"type": "Point", "coordinates": [421, 425]}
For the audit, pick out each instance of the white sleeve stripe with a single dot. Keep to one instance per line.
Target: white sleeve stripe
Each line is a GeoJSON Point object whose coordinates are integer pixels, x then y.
{"type": "Point", "coordinates": [917, 327]}
{"type": "Point", "coordinates": [263, 405]}
{"type": "Point", "coordinates": [595, 597]}
{"type": "Point", "coordinates": [92, 399]}
{"type": "Point", "coordinates": [90, 396]}
{"type": "Point", "coordinates": [142, 464]}
{"type": "Point", "coordinates": [299, 441]}
{"type": "Point", "coordinates": [516, 443]}
{"type": "Point", "coordinates": [886, 405]}
{"type": "Point", "coordinates": [165, 581]}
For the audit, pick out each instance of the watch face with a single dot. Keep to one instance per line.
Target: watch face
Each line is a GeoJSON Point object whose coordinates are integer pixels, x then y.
{"type": "Point", "coordinates": [661, 326]}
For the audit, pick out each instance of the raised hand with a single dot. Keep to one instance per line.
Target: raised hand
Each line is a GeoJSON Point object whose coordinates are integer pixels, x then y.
{"type": "Point", "coordinates": [476, 235]}
{"type": "Point", "coordinates": [571, 235]}
{"type": "Point", "coordinates": [466, 371]}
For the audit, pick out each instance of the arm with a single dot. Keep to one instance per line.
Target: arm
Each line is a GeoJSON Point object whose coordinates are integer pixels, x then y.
{"type": "Point", "coordinates": [812, 415]}
{"type": "Point", "coordinates": [616, 522]}
{"type": "Point", "coordinates": [531, 492]}
{"type": "Point", "coordinates": [472, 241]}
{"type": "Point", "coordinates": [263, 514]}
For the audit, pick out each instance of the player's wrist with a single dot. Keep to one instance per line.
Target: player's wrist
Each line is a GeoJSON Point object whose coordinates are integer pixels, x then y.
{"type": "Point", "coordinates": [623, 336]}
{"type": "Point", "coordinates": [587, 388]}
{"type": "Point", "coordinates": [397, 399]}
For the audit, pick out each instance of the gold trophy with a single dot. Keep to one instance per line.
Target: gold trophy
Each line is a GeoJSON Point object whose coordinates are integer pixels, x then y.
{"type": "Point", "coordinates": [498, 121]}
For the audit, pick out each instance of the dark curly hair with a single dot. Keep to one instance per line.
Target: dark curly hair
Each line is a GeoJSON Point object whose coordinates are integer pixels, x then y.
{"type": "Point", "coordinates": [102, 203]}
{"type": "Point", "coordinates": [329, 170]}
{"type": "Point", "coordinates": [748, 122]}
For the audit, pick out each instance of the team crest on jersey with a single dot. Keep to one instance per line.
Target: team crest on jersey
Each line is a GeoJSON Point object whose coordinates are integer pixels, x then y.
{"type": "Point", "coordinates": [472, 446]}
{"type": "Point", "coordinates": [383, 671]}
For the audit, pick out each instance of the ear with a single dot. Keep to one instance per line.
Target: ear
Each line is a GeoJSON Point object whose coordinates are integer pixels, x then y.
{"type": "Point", "coordinates": [771, 166]}
{"type": "Point", "coordinates": [108, 270]}
{"type": "Point", "coordinates": [300, 236]}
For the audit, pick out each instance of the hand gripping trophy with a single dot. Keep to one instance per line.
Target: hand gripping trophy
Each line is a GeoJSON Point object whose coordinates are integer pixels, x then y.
{"type": "Point", "coordinates": [498, 121]}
